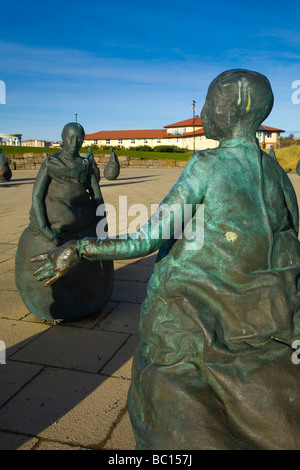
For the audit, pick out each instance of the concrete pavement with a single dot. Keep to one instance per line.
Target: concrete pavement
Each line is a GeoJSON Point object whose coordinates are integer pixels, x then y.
{"type": "Point", "coordinates": [64, 386]}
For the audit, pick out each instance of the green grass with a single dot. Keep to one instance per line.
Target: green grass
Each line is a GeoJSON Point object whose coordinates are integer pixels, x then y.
{"type": "Point", "coordinates": [15, 150]}
{"type": "Point", "coordinates": [288, 157]}
{"type": "Point", "coordinates": [178, 157]}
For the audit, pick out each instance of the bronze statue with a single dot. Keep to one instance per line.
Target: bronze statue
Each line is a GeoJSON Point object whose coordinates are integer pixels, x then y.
{"type": "Point", "coordinates": [5, 171]}
{"type": "Point", "coordinates": [112, 168]}
{"type": "Point", "coordinates": [272, 152]}
{"type": "Point", "coordinates": [215, 367]}
{"type": "Point", "coordinates": [90, 157]}
{"type": "Point", "coordinates": [65, 197]}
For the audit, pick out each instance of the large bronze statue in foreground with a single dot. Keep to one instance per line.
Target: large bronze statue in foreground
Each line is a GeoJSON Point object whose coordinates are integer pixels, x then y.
{"type": "Point", "coordinates": [65, 197]}
{"type": "Point", "coordinates": [214, 366]}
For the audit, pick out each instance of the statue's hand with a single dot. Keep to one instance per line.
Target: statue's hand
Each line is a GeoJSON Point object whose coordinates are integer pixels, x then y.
{"type": "Point", "coordinates": [58, 262]}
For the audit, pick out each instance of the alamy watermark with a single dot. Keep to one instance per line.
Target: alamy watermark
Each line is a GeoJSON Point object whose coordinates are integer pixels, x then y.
{"type": "Point", "coordinates": [165, 222]}
{"type": "Point", "coordinates": [296, 93]}
{"type": "Point", "coordinates": [295, 355]}
{"type": "Point", "coordinates": [2, 92]}
{"type": "Point", "coordinates": [2, 352]}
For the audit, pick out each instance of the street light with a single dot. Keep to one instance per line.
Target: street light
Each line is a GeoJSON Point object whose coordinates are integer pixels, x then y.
{"type": "Point", "coordinates": [76, 117]}
{"type": "Point", "coordinates": [194, 109]}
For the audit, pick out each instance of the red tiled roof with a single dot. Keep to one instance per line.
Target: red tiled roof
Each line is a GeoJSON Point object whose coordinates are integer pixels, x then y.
{"type": "Point", "coordinates": [267, 128]}
{"type": "Point", "coordinates": [160, 133]}
{"type": "Point", "coordinates": [132, 134]}
{"type": "Point", "coordinates": [187, 122]}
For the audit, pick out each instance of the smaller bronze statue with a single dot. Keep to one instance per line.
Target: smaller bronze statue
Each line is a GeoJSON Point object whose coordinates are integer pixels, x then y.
{"type": "Point", "coordinates": [65, 198]}
{"type": "Point", "coordinates": [90, 157]}
{"type": "Point", "coordinates": [112, 169]}
{"type": "Point", "coordinates": [271, 152]}
{"type": "Point", "coordinates": [5, 171]}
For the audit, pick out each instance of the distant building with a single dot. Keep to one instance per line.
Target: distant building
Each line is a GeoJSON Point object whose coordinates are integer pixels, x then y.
{"type": "Point", "coordinates": [56, 144]}
{"type": "Point", "coordinates": [184, 134]}
{"type": "Point", "coordinates": [10, 139]}
{"type": "Point", "coordinates": [268, 136]}
{"type": "Point", "coordinates": [36, 143]}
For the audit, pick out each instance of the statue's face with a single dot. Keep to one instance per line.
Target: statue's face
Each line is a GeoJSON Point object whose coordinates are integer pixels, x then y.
{"type": "Point", "coordinates": [73, 139]}
{"type": "Point", "coordinates": [214, 115]}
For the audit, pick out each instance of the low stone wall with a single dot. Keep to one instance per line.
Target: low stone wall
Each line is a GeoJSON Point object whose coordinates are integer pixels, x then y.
{"type": "Point", "coordinates": [31, 161]}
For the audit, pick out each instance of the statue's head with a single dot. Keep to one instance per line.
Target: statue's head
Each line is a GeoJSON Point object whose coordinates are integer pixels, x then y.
{"type": "Point", "coordinates": [73, 136]}
{"type": "Point", "coordinates": [237, 102]}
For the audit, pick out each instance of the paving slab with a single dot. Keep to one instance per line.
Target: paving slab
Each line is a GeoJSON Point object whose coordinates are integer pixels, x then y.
{"type": "Point", "coordinates": [17, 334]}
{"type": "Point", "coordinates": [67, 406]}
{"type": "Point", "coordinates": [122, 436]}
{"type": "Point", "coordinates": [118, 366]}
{"type": "Point", "coordinates": [12, 305]}
{"type": "Point", "coordinates": [127, 291]}
{"type": "Point", "coordinates": [14, 376]}
{"type": "Point", "coordinates": [72, 348]}
{"type": "Point", "coordinates": [124, 317]}
{"type": "Point", "coordinates": [13, 441]}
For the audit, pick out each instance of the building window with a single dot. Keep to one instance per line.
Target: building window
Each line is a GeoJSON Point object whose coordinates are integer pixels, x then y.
{"type": "Point", "coordinates": [158, 141]}
{"type": "Point", "coordinates": [107, 141]}
{"type": "Point", "coordinates": [120, 141]}
{"type": "Point", "coordinates": [259, 135]}
{"type": "Point", "coordinates": [95, 142]}
{"type": "Point", "coordinates": [169, 141]}
{"type": "Point", "coordinates": [269, 135]}
{"type": "Point", "coordinates": [133, 141]}
{"type": "Point", "coordinates": [177, 139]}
{"type": "Point", "coordinates": [145, 141]}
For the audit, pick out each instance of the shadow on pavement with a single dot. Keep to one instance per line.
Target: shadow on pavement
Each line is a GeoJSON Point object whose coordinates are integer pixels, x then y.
{"type": "Point", "coordinates": [49, 378]}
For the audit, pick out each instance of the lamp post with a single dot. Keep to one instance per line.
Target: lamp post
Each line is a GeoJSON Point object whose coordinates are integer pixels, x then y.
{"type": "Point", "coordinates": [194, 109]}
{"type": "Point", "coordinates": [76, 117]}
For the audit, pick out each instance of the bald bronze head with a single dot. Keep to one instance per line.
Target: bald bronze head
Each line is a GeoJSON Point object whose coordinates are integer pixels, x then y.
{"type": "Point", "coordinates": [73, 137]}
{"type": "Point", "coordinates": [237, 102]}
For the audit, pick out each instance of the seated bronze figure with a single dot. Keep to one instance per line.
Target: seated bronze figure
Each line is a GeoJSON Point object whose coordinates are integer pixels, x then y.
{"type": "Point", "coordinates": [214, 369]}
{"type": "Point", "coordinates": [65, 197]}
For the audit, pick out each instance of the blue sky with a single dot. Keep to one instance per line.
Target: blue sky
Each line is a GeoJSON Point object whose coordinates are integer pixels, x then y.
{"type": "Point", "coordinates": [137, 65]}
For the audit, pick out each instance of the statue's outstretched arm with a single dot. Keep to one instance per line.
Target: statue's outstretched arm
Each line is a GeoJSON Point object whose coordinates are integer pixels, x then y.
{"type": "Point", "coordinates": [168, 218]}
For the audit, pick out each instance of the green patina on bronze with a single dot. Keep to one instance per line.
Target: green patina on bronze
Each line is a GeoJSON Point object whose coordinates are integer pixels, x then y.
{"type": "Point", "coordinates": [5, 171]}
{"type": "Point", "coordinates": [65, 197]}
{"type": "Point", "coordinates": [213, 368]}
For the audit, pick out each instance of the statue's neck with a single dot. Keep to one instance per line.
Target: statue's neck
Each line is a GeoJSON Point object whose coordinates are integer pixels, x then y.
{"type": "Point", "coordinates": [69, 156]}
{"type": "Point", "coordinates": [239, 141]}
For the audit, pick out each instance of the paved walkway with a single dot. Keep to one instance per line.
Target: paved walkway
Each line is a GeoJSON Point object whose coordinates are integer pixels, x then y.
{"type": "Point", "coordinates": [64, 386]}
